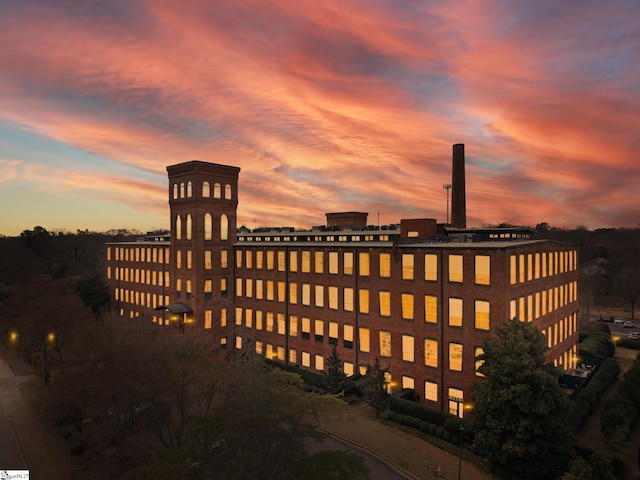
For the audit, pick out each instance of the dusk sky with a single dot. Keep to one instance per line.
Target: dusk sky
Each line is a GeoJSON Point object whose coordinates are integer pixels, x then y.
{"type": "Point", "coordinates": [326, 106]}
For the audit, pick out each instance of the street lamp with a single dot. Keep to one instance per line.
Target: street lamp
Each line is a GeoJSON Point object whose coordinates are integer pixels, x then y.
{"type": "Point", "coordinates": [447, 187]}
{"type": "Point", "coordinates": [50, 337]}
{"type": "Point", "coordinates": [460, 454]}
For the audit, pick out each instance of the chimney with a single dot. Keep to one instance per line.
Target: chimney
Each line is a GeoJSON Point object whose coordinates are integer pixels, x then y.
{"type": "Point", "coordinates": [458, 195]}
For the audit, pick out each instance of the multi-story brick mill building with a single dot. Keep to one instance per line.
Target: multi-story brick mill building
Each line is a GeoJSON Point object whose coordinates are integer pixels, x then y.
{"type": "Point", "coordinates": [420, 296]}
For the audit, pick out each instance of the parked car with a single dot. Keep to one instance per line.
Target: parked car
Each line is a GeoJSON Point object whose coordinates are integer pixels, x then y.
{"type": "Point", "coordinates": [634, 336]}
{"type": "Point", "coordinates": [628, 324]}
{"type": "Point", "coordinates": [619, 320]}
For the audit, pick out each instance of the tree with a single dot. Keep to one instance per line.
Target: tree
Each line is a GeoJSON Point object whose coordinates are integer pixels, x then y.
{"type": "Point", "coordinates": [373, 385]}
{"type": "Point", "coordinates": [627, 286]}
{"type": "Point", "coordinates": [335, 374]}
{"type": "Point", "coordinates": [94, 293]}
{"type": "Point", "coordinates": [521, 415]}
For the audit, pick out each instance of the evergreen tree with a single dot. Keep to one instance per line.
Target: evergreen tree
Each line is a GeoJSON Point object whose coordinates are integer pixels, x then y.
{"type": "Point", "coordinates": [337, 379]}
{"type": "Point", "coordinates": [373, 385]}
{"type": "Point", "coordinates": [521, 415]}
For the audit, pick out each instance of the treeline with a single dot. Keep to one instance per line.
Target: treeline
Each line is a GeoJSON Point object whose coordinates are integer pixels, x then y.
{"type": "Point", "coordinates": [57, 254]}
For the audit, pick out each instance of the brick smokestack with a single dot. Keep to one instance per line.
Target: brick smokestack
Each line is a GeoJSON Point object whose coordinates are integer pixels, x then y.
{"type": "Point", "coordinates": [458, 195]}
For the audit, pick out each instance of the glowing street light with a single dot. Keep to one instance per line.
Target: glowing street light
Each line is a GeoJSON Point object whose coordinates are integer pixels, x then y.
{"type": "Point", "coordinates": [14, 336]}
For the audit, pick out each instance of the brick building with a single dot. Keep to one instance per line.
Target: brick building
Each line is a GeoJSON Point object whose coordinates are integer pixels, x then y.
{"type": "Point", "coordinates": [418, 295]}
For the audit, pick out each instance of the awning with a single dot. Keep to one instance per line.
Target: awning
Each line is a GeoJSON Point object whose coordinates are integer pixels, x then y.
{"type": "Point", "coordinates": [176, 308]}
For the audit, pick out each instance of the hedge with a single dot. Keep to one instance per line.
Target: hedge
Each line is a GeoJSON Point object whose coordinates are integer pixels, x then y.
{"type": "Point", "coordinates": [418, 410]}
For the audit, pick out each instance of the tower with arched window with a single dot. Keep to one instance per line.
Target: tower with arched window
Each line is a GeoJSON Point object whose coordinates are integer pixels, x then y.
{"type": "Point", "coordinates": [203, 199]}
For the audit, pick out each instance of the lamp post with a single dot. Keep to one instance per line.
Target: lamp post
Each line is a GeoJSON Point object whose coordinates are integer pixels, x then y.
{"type": "Point", "coordinates": [43, 351]}
{"type": "Point", "coordinates": [460, 454]}
{"type": "Point", "coordinates": [447, 187]}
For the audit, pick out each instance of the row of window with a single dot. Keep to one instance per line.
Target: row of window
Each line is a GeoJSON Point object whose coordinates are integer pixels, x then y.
{"type": "Point", "coordinates": [308, 237]}
{"type": "Point", "coordinates": [144, 299]}
{"type": "Point", "coordinates": [137, 275]}
{"type": "Point", "coordinates": [532, 266]}
{"type": "Point", "coordinates": [535, 305]}
{"type": "Point", "coordinates": [140, 254]}
{"type": "Point", "coordinates": [187, 230]}
{"type": "Point", "coordinates": [302, 261]}
{"type": "Point", "coordinates": [185, 190]}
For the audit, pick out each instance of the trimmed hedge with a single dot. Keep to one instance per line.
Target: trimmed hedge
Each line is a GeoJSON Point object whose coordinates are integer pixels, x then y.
{"type": "Point", "coordinates": [418, 410]}
{"type": "Point", "coordinates": [606, 374]}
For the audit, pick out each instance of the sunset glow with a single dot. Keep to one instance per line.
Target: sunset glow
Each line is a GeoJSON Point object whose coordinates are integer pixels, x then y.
{"type": "Point", "coordinates": [325, 107]}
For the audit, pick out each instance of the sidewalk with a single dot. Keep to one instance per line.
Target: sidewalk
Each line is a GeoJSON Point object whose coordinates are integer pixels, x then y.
{"type": "Point", "coordinates": [27, 426]}
{"type": "Point", "coordinates": [407, 453]}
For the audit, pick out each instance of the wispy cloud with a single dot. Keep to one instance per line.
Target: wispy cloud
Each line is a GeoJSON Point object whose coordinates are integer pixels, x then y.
{"type": "Point", "coordinates": [336, 107]}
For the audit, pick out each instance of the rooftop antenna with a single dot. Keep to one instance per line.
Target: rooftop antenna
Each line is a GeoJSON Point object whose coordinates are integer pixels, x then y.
{"type": "Point", "coordinates": [447, 187]}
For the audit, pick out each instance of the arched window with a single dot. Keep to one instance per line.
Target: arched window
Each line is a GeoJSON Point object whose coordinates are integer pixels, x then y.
{"type": "Point", "coordinates": [206, 189]}
{"type": "Point", "coordinates": [227, 191]}
{"type": "Point", "coordinates": [175, 190]}
{"type": "Point", "coordinates": [182, 190]}
{"type": "Point", "coordinates": [178, 227]}
{"type": "Point", "coordinates": [189, 189]}
{"type": "Point", "coordinates": [207, 226]}
{"type": "Point", "coordinates": [224, 227]}
{"type": "Point", "coordinates": [188, 232]}
{"type": "Point", "coordinates": [216, 190]}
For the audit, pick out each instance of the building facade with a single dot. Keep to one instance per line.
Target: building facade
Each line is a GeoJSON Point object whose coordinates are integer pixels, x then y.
{"type": "Point", "coordinates": [420, 296]}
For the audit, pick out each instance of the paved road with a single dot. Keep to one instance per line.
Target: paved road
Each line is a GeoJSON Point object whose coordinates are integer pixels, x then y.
{"type": "Point", "coordinates": [10, 455]}
{"type": "Point", "coordinates": [378, 470]}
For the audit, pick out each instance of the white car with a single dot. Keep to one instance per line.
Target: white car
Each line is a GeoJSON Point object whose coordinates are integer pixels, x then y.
{"type": "Point", "coordinates": [628, 324]}
{"type": "Point", "coordinates": [619, 320]}
{"type": "Point", "coordinates": [634, 336]}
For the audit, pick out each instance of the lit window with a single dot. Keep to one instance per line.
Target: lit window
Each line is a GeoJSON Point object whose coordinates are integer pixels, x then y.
{"type": "Point", "coordinates": [455, 268]}
{"type": "Point", "coordinates": [521, 269]}
{"type": "Point", "coordinates": [348, 299]}
{"type": "Point", "coordinates": [363, 298]}
{"type": "Point", "coordinates": [430, 309]}
{"type": "Point", "coordinates": [182, 190]}
{"type": "Point", "coordinates": [282, 291]}
{"type": "Point", "coordinates": [455, 312]}
{"type": "Point", "coordinates": [333, 263]}
{"type": "Point", "coordinates": [364, 269]}
{"type": "Point", "coordinates": [293, 326]}
{"type": "Point", "coordinates": [224, 259]}
{"type": "Point", "coordinates": [189, 260]}
{"type": "Point", "coordinates": [348, 263]}
{"type": "Point", "coordinates": [431, 267]}
{"type": "Point", "coordinates": [270, 259]}
{"type": "Point", "coordinates": [293, 261]}
{"type": "Point", "coordinates": [333, 333]}
{"type": "Point", "coordinates": [248, 289]}
{"type": "Point", "coordinates": [333, 297]}
{"type": "Point", "coordinates": [319, 294]}
{"type": "Point", "coordinates": [208, 226]}
{"type": "Point", "coordinates": [208, 260]}
{"type": "Point", "coordinates": [407, 266]}
{"type": "Point", "coordinates": [305, 328]}
{"type": "Point", "coordinates": [318, 331]}
{"type": "Point", "coordinates": [207, 319]}
{"type": "Point", "coordinates": [249, 259]}
{"type": "Point", "coordinates": [385, 343]}
{"type": "Point", "coordinates": [292, 356]}
{"type": "Point", "coordinates": [347, 367]}
{"type": "Point", "coordinates": [269, 322]}
{"type": "Point", "coordinates": [431, 391]}
{"type": "Point", "coordinates": [227, 192]}
{"type": "Point", "coordinates": [513, 270]}
{"type": "Point", "coordinates": [385, 304]}
{"type": "Point", "coordinates": [431, 353]}
{"type": "Point", "coordinates": [483, 270]}
{"type": "Point", "coordinates": [293, 293]}
{"type": "Point", "coordinates": [178, 227]}
{"type": "Point", "coordinates": [259, 259]}
{"type": "Point", "coordinates": [305, 359]}
{"type": "Point", "coordinates": [281, 261]}
{"type": "Point", "coordinates": [282, 325]}
{"type": "Point", "coordinates": [408, 354]}
{"type": "Point", "coordinates": [455, 357]}
{"type": "Point", "coordinates": [216, 190]}
{"type": "Point", "coordinates": [224, 227]}
{"type": "Point", "coordinates": [306, 261]}
{"type": "Point", "coordinates": [348, 336]}
{"type": "Point", "coordinates": [364, 339]}
{"type": "Point", "coordinates": [175, 190]}
{"type": "Point", "coordinates": [407, 306]}
{"type": "Point", "coordinates": [306, 294]}
{"type": "Point", "coordinates": [208, 284]}
{"type": "Point", "coordinates": [188, 227]}
{"type": "Point", "coordinates": [385, 265]}
{"type": "Point", "coordinates": [319, 362]}
{"type": "Point", "coordinates": [206, 189]}
{"type": "Point", "coordinates": [482, 315]}
{"type": "Point", "coordinates": [319, 262]}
